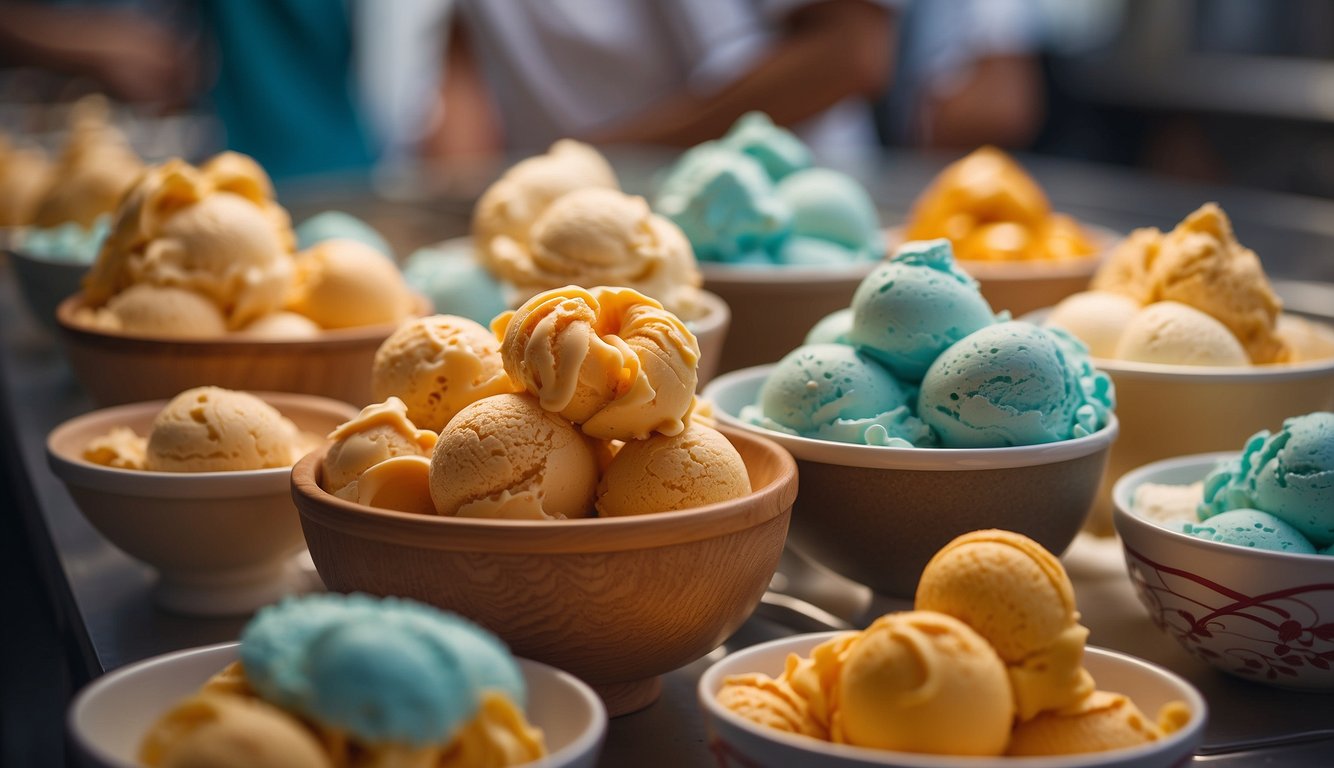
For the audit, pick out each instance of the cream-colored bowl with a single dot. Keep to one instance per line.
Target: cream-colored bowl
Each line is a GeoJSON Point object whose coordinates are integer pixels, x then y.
{"type": "Point", "coordinates": [109, 718]}
{"type": "Point", "coordinates": [336, 365]}
{"type": "Point", "coordinates": [877, 514]}
{"type": "Point", "coordinates": [1025, 286]}
{"type": "Point", "coordinates": [773, 308]}
{"type": "Point", "coordinates": [616, 601]}
{"type": "Point", "coordinates": [1260, 615]}
{"type": "Point", "coordinates": [221, 542]}
{"type": "Point", "coordinates": [738, 741]}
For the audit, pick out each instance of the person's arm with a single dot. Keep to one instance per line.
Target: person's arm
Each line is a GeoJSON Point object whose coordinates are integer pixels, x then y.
{"type": "Point", "coordinates": [829, 51]}
{"type": "Point", "coordinates": [135, 58]}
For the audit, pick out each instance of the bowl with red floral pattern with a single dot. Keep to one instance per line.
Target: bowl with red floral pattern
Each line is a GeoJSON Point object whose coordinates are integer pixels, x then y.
{"type": "Point", "coordinates": [1261, 614]}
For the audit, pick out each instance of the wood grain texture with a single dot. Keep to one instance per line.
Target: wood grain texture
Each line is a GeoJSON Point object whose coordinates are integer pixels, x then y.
{"type": "Point", "coordinates": [337, 365]}
{"type": "Point", "coordinates": [616, 602]}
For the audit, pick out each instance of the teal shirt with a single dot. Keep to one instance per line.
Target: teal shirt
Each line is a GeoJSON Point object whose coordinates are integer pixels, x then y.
{"type": "Point", "coordinates": [283, 90]}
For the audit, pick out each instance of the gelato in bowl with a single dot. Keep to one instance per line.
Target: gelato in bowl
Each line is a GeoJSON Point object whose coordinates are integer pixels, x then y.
{"type": "Point", "coordinates": [1232, 554]}
{"type": "Point", "coordinates": [220, 538]}
{"type": "Point", "coordinates": [113, 721]}
{"type": "Point", "coordinates": [741, 739]}
{"type": "Point", "coordinates": [876, 513]}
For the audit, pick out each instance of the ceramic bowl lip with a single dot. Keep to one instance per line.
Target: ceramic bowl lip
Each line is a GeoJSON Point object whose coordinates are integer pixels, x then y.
{"type": "Point", "coordinates": [726, 275]}
{"type": "Point", "coordinates": [1033, 269]}
{"type": "Point", "coordinates": [922, 459]}
{"type": "Point", "coordinates": [231, 344]}
{"type": "Point", "coordinates": [1124, 517]}
{"type": "Point", "coordinates": [587, 741]}
{"type": "Point", "coordinates": [77, 471]}
{"type": "Point", "coordinates": [711, 681]}
{"type": "Point", "coordinates": [551, 536]}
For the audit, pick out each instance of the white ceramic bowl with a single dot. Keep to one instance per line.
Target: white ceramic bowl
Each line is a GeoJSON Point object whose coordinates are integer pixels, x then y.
{"type": "Point", "coordinates": [1257, 614]}
{"type": "Point", "coordinates": [221, 542]}
{"type": "Point", "coordinates": [877, 514]}
{"type": "Point", "coordinates": [738, 741]}
{"type": "Point", "coordinates": [108, 719]}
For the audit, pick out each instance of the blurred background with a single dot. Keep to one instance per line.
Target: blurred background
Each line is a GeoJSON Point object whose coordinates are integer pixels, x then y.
{"type": "Point", "coordinates": [411, 106]}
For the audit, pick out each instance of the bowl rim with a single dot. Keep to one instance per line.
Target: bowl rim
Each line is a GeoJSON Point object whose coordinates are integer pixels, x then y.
{"type": "Point", "coordinates": [727, 275]}
{"type": "Point", "coordinates": [79, 472]}
{"type": "Point", "coordinates": [922, 459]}
{"type": "Point", "coordinates": [1125, 517]}
{"type": "Point", "coordinates": [232, 343]}
{"type": "Point", "coordinates": [581, 536]}
{"type": "Point", "coordinates": [64, 265]}
{"type": "Point", "coordinates": [711, 680]}
{"type": "Point", "coordinates": [588, 740]}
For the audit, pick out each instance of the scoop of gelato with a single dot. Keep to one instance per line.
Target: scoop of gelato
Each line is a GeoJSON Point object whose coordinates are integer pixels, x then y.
{"type": "Point", "coordinates": [210, 429]}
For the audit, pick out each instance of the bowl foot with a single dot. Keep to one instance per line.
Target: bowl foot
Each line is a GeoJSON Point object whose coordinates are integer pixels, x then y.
{"type": "Point", "coordinates": [231, 593]}
{"type": "Point", "coordinates": [632, 696]}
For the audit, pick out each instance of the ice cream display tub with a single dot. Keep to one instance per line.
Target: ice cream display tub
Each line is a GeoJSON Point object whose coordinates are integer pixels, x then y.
{"type": "Point", "coordinates": [44, 283]}
{"type": "Point", "coordinates": [1257, 614]}
{"type": "Point", "coordinates": [336, 365]}
{"type": "Point", "coordinates": [736, 740]}
{"type": "Point", "coordinates": [876, 514]}
{"type": "Point", "coordinates": [1024, 286]}
{"type": "Point", "coordinates": [615, 601]}
{"type": "Point", "coordinates": [221, 542]}
{"type": "Point", "coordinates": [774, 307]}
{"type": "Point", "coordinates": [108, 718]}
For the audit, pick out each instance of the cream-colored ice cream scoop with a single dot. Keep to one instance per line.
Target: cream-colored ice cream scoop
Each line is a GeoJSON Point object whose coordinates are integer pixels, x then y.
{"type": "Point", "coordinates": [343, 283]}
{"type": "Point", "coordinates": [210, 429]}
{"type": "Point", "coordinates": [380, 432]}
{"type": "Point", "coordinates": [227, 731]}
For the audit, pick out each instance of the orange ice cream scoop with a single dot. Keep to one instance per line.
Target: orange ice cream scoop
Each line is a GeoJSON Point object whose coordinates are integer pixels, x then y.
{"type": "Point", "coordinates": [380, 432]}
{"type": "Point", "coordinates": [1201, 264]}
{"type": "Point", "coordinates": [609, 359]}
{"type": "Point", "coordinates": [770, 702]}
{"type": "Point", "coordinates": [921, 681]}
{"type": "Point", "coordinates": [992, 210]}
{"type": "Point", "coordinates": [1017, 595]}
{"type": "Point", "coordinates": [694, 468]}
{"type": "Point", "coordinates": [1096, 723]}
{"type": "Point", "coordinates": [227, 731]}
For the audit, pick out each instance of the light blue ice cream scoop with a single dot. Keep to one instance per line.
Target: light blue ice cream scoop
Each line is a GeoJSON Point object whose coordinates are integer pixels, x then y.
{"type": "Point", "coordinates": [1289, 474]}
{"type": "Point", "coordinates": [456, 283]}
{"type": "Point", "coordinates": [831, 207]}
{"type": "Point", "coordinates": [913, 306]}
{"type": "Point", "coordinates": [833, 392]}
{"type": "Point", "coordinates": [1251, 528]}
{"type": "Point", "coordinates": [384, 670]}
{"type": "Point", "coordinates": [777, 149]}
{"type": "Point", "coordinates": [70, 242]}
{"type": "Point", "coordinates": [1009, 384]}
{"type": "Point", "coordinates": [331, 225]}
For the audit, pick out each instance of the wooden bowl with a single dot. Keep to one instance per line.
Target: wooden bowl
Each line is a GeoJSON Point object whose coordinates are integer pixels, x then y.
{"type": "Point", "coordinates": [616, 601]}
{"type": "Point", "coordinates": [220, 542]}
{"type": "Point", "coordinates": [336, 365]}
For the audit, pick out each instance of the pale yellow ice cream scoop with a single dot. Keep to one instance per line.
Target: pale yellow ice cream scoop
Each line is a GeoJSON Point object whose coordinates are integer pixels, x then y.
{"type": "Point", "coordinates": [214, 230]}
{"type": "Point", "coordinates": [163, 311]}
{"type": "Point", "coordinates": [438, 364]}
{"type": "Point", "coordinates": [1017, 595]}
{"type": "Point", "coordinates": [210, 429]}
{"type": "Point", "coordinates": [506, 457]}
{"type": "Point", "coordinates": [343, 283]}
{"type": "Point", "coordinates": [609, 359]}
{"type": "Point", "coordinates": [1173, 333]}
{"type": "Point", "coordinates": [598, 236]}
{"type": "Point", "coordinates": [1201, 264]}
{"type": "Point", "coordinates": [920, 681]}
{"type": "Point", "coordinates": [95, 169]}
{"type": "Point", "coordinates": [213, 730]}
{"type": "Point", "coordinates": [381, 431]}
{"type": "Point", "coordinates": [24, 176]}
{"type": "Point", "coordinates": [507, 209]}
{"type": "Point", "coordinates": [691, 469]}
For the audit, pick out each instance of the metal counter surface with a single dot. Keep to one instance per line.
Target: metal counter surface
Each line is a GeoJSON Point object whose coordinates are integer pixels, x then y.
{"type": "Point", "coordinates": [103, 596]}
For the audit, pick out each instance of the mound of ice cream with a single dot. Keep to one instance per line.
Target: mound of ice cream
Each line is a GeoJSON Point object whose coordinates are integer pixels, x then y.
{"type": "Point", "coordinates": [25, 173]}
{"type": "Point", "coordinates": [991, 210]}
{"type": "Point", "coordinates": [989, 662]}
{"type": "Point", "coordinates": [920, 360]}
{"type": "Point", "coordinates": [580, 404]}
{"type": "Point", "coordinates": [206, 429]}
{"type": "Point", "coordinates": [455, 282]}
{"type": "Point", "coordinates": [1277, 494]}
{"type": "Point", "coordinates": [217, 232]}
{"type": "Point", "coordinates": [753, 197]}
{"type": "Point", "coordinates": [95, 169]}
{"type": "Point", "coordinates": [1191, 296]}
{"type": "Point", "coordinates": [70, 243]}
{"type": "Point", "coordinates": [349, 680]}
